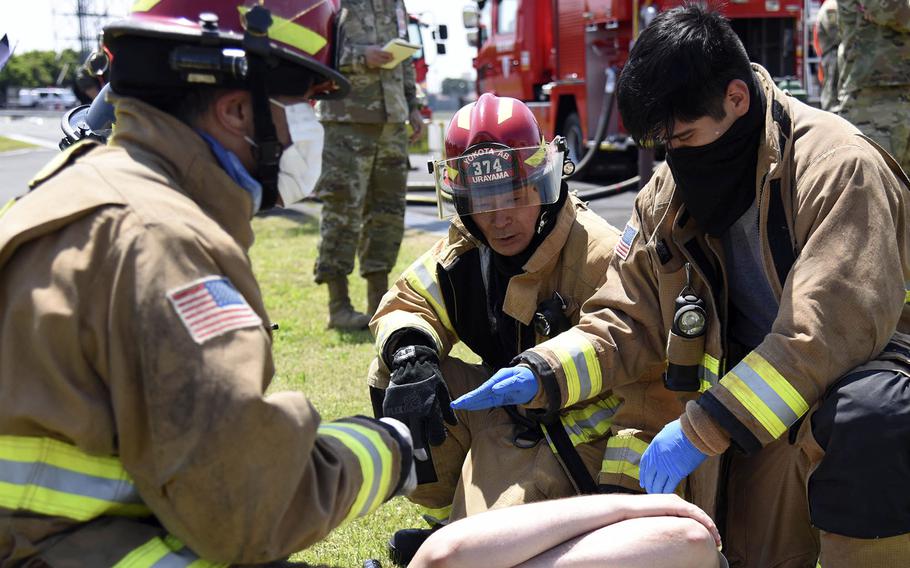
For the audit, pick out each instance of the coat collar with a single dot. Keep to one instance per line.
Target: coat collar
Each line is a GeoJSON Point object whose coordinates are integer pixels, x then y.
{"type": "Point", "coordinates": [523, 290]}
{"type": "Point", "coordinates": [163, 142]}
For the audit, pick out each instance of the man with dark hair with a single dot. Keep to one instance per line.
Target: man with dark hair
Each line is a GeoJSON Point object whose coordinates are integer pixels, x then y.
{"type": "Point", "coordinates": [135, 348]}
{"type": "Point", "coordinates": [753, 318]}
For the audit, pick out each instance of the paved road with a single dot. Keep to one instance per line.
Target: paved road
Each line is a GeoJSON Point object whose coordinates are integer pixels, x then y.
{"type": "Point", "coordinates": [18, 166]}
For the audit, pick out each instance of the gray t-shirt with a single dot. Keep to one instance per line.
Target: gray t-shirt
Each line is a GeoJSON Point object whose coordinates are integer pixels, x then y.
{"type": "Point", "coordinates": [753, 306]}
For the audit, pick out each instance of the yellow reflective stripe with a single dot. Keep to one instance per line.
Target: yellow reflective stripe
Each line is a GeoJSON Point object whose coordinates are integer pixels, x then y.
{"type": "Point", "coordinates": [293, 34]}
{"type": "Point", "coordinates": [708, 372]}
{"type": "Point", "coordinates": [623, 455]}
{"type": "Point", "coordinates": [144, 5]}
{"type": "Point", "coordinates": [906, 284]}
{"type": "Point", "coordinates": [765, 393]}
{"type": "Point", "coordinates": [781, 386]}
{"type": "Point", "coordinates": [50, 477]}
{"type": "Point", "coordinates": [390, 323]}
{"type": "Point", "coordinates": [7, 206]}
{"type": "Point", "coordinates": [753, 404]}
{"type": "Point", "coordinates": [592, 422]}
{"type": "Point", "coordinates": [421, 275]}
{"type": "Point", "coordinates": [373, 455]}
{"type": "Point", "coordinates": [168, 552]}
{"type": "Point", "coordinates": [579, 363]}
{"type": "Point", "coordinates": [145, 555]}
{"type": "Point", "coordinates": [60, 454]}
{"type": "Point", "coordinates": [438, 514]}
{"type": "Point", "coordinates": [55, 503]}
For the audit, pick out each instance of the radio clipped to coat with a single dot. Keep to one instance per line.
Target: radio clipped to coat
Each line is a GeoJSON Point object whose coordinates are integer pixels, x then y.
{"type": "Point", "coordinates": [686, 341]}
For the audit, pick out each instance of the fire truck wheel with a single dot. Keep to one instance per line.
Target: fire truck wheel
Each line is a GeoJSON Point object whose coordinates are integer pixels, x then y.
{"type": "Point", "coordinates": [571, 129]}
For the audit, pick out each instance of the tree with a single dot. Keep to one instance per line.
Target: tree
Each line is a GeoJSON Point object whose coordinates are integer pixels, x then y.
{"type": "Point", "coordinates": [39, 69]}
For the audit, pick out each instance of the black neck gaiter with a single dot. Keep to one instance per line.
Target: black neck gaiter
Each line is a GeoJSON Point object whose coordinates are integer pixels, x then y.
{"type": "Point", "coordinates": [717, 181]}
{"type": "Point", "coordinates": [503, 268]}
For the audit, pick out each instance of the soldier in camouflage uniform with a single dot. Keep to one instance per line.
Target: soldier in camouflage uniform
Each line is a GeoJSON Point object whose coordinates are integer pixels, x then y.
{"type": "Point", "coordinates": [827, 40]}
{"type": "Point", "coordinates": [874, 64]}
{"type": "Point", "coordinates": [364, 175]}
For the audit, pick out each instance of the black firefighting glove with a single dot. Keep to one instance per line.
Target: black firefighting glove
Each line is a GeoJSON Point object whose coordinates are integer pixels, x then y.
{"type": "Point", "coordinates": [419, 397]}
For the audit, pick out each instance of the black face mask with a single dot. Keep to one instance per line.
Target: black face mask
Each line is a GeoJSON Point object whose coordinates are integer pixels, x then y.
{"type": "Point", "coordinates": [717, 180]}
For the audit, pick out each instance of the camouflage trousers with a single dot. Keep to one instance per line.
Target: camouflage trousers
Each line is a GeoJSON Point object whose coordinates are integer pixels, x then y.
{"type": "Point", "coordinates": [882, 114]}
{"type": "Point", "coordinates": [363, 185]}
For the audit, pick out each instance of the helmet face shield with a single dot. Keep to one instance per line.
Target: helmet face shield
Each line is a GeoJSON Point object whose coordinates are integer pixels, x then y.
{"type": "Point", "coordinates": [492, 176]}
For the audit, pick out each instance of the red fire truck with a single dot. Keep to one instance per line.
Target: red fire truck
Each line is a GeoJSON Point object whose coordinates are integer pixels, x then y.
{"type": "Point", "coordinates": [562, 57]}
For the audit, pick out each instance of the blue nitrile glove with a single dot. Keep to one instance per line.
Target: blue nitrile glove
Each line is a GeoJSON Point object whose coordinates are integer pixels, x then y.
{"type": "Point", "coordinates": [511, 385]}
{"type": "Point", "coordinates": [669, 458]}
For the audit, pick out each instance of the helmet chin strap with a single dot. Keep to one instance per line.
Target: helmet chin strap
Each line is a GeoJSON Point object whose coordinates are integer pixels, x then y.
{"type": "Point", "coordinates": [267, 149]}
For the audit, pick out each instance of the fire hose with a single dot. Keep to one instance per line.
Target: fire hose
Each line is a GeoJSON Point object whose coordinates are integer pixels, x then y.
{"type": "Point", "coordinates": [605, 115]}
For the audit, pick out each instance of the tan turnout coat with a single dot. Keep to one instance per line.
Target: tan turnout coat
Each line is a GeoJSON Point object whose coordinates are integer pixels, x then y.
{"type": "Point", "coordinates": [95, 358]}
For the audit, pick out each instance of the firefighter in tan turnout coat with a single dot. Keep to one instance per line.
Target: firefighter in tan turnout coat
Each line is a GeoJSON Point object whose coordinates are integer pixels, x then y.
{"type": "Point", "coordinates": [754, 311]}
{"type": "Point", "coordinates": [134, 344]}
{"type": "Point", "coordinates": [520, 259]}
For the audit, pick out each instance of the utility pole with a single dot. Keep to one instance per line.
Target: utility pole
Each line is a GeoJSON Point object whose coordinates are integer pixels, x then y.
{"type": "Point", "coordinates": [90, 18]}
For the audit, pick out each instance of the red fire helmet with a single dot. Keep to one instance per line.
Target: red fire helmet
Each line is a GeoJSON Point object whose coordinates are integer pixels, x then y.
{"type": "Point", "coordinates": [496, 157]}
{"type": "Point", "coordinates": [168, 44]}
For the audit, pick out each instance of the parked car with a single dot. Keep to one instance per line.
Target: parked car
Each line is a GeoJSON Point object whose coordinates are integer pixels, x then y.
{"type": "Point", "coordinates": [47, 98]}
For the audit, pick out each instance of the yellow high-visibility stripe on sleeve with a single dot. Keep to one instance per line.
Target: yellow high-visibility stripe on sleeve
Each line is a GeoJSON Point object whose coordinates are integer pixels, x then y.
{"type": "Point", "coordinates": [591, 422]}
{"type": "Point", "coordinates": [49, 477]}
{"type": "Point", "coordinates": [906, 286]}
{"type": "Point", "coordinates": [579, 363]}
{"type": "Point", "coordinates": [375, 461]}
{"type": "Point", "coordinates": [421, 275]}
{"type": "Point", "coordinates": [167, 552]}
{"type": "Point", "coordinates": [623, 455]}
{"type": "Point", "coordinates": [765, 393]}
{"type": "Point", "coordinates": [390, 323]}
{"type": "Point", "coordinates": [291, 33]}
{"type": "Point", "coordinates": [709, 372]}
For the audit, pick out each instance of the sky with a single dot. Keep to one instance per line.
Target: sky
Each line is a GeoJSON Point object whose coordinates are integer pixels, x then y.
{"type": "Point", "coordinates": [50, 25]}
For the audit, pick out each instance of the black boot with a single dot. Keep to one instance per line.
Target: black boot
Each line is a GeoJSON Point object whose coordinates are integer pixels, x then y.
{"type": "Point", "coordinates": [404, 544]}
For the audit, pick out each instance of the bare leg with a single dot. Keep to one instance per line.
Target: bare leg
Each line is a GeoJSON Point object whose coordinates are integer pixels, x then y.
{"type": "Point", "coordinates": [650, 542]}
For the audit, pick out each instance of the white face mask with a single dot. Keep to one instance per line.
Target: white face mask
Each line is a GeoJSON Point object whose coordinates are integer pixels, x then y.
{"type": "Point", "coordinates": [301, 163]}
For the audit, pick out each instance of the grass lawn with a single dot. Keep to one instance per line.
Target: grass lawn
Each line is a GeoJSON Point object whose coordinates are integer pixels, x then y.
{"type": "Point", "coordinates": [7, 144]}
{"type": "Point", "coordinates": [329, 366]}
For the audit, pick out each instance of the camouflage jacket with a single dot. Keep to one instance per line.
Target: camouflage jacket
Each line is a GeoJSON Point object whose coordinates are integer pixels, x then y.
{"type": "Point", "coordinates": [875, 35]}
{"type": "Point", "coordinates": [827, 40]}
{"type": "Point", "coordinates": [377, 95]}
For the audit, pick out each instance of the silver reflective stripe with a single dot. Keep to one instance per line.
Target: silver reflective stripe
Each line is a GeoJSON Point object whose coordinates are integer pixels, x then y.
{"type": "Point", "coordinates": [767, 394]}
{"type": "Point", "coordinates": [71, 482]}
{"type": "Point", "coordinates": [708, 375]}
{"type": "Point", "coordinates": [578, 426]}
{"type": "Point", "coordinates": [374, 457]}
{"type": "Point", "coordinates": [624, 454]}
{"type": "Point", "coordinates": [584, 374]}
{"type": "Point", "coordinates": [429, 283]}
{"type": "Point", "coordinates": [179, 559]}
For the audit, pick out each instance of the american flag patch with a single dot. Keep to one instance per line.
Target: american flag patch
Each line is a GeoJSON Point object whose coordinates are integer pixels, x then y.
{"type": "Point", "coordinates": [625, 241]}
{"type": "Point", "coordinates": [210, 307]}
